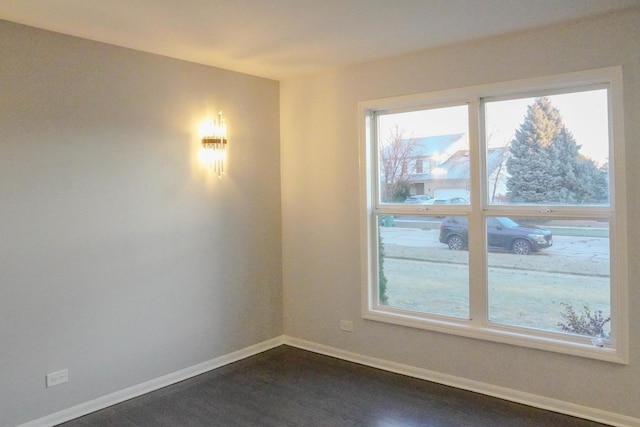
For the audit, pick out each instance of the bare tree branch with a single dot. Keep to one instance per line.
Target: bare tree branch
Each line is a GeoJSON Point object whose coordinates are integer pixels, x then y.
{"type": "Point", "coordinates": [396, 156]}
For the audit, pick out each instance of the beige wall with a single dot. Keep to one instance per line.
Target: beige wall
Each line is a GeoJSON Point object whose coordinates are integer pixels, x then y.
{"type": "Point", "coordinates": [321, 223]}
{"type": "Point", "coordinates": [119, 258]}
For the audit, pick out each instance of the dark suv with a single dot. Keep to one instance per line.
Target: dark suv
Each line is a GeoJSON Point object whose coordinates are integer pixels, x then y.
{"type": "Point", "coordinates": [502, 232]}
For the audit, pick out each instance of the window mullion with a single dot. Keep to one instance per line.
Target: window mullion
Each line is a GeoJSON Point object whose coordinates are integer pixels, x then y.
{"type": "Point", "coordinates": [477, 248]}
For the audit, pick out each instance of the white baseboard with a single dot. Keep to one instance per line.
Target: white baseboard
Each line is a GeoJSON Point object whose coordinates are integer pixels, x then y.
{"type": "Point", "coordinates": [504, 393]}
{"type": "Point", "coordinates": [449, 380]}
{"type": "Point", "coordinates": [152, 385]}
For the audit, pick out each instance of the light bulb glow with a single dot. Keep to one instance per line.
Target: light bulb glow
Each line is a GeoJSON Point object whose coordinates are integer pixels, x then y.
{"type": "Point", "coordinates": [213, 152]}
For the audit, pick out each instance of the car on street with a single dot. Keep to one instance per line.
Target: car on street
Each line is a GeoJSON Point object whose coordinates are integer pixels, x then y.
{"type": "Point", "coordinates": [419, 199]}
{"type": "Point", "coordinates": [450, 201]}
{"type": "Point", "coordinates": [502, 233]}
{"type": "Point", "coordinates": [423, 199]}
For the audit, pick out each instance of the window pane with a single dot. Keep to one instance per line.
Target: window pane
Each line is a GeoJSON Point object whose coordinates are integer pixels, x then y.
{"type": "Point", "coordinates": [542, 272]}
{"type": "Point", "coordinates": [549, 150]}
{"type": "Point", "coordinates": [424, 152]}
{"type": "Point", "coordinates": [419, 273]}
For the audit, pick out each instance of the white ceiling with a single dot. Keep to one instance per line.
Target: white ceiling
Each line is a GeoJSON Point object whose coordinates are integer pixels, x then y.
{"type": "Point", "coordinates": [282, 38]}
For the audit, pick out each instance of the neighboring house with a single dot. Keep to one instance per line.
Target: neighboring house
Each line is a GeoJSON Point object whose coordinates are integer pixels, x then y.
{"type": "Point", "coordinates": [431, 151]}
{"type": "Point", "coordinates": [415, 160]}
{"type": "Point", "coordinates": [439, 167]}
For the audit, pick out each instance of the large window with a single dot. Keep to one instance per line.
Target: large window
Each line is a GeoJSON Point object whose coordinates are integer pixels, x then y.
{"type": "Point", "coordinates": [497, 212]}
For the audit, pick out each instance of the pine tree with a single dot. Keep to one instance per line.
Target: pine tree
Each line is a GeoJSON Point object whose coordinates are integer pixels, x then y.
{"type": "Point", "coordinates": [594, 181]}
{"type": "Point", "coordinates": [530, 159]}
{"type": "Point", "coordinates": [565, 153]}
{"type": "Point", "coordinates": [546, 167]}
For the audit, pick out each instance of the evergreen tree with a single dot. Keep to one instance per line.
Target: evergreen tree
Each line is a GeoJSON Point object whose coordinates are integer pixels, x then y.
{"type": "Point", "coordinates": [546, 166]}
{"type": "Point", "coordinates": [564, 152]}
{"type": "Point", "coordinates": [595, 182]}
{"type": "Point", "coordinates": [530, 160]}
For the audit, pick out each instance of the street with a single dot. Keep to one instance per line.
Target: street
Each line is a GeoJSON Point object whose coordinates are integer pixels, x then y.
{"type": "Point", "coordinates": [563, 246]}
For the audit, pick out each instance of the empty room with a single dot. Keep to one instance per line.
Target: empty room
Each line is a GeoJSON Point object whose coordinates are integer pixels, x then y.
{"type": "Point", "coordinates": [331, 213]}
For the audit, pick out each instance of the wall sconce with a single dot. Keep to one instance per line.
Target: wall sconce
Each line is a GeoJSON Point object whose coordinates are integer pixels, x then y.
{"type": "Point", "coordinates": [214, 145]}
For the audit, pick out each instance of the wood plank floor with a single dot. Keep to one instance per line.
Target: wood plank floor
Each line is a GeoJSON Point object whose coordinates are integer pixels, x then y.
{"type": "Point", "coordinates": [292, 387]}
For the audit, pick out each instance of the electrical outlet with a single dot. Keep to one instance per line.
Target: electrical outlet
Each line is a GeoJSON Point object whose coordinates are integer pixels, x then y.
{"type": "Point", "coordinates": [57, 378]}
{"type": "Point", "coordinates": [346, 325]}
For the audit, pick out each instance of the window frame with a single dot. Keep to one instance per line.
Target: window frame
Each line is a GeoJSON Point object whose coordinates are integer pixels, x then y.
{"type": "Point", "coordinates": [479, 209]}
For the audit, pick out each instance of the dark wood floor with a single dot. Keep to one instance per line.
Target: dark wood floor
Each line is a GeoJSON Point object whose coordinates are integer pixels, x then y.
{"type": "Point", "coordinates": [291, 387]}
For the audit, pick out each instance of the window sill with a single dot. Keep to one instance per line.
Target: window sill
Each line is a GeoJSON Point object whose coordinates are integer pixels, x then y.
{"type": "Point", "coordinates": [539, 340]}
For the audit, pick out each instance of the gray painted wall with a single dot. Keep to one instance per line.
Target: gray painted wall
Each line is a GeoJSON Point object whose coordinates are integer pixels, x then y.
{"type": "Point", "coordinates": [321, 222]}
{"type": "Point", "coordinates": [120, 258]}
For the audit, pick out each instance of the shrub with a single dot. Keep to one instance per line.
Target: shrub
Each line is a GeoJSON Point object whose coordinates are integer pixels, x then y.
{"type": "Point", "coordinates": [401, 190]}
{"type": "Point", "coordinates": [585, 323]}
{"type": "Point", "coordinates": [382, 285]}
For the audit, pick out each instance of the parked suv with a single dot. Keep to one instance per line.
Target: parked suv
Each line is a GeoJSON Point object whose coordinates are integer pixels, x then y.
{"type": "Point", "coordinates": [502, 232]}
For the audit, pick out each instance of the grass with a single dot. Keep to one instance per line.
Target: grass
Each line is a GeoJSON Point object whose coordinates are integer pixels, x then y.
{"type": "Point", "coordinates": [525, 291]}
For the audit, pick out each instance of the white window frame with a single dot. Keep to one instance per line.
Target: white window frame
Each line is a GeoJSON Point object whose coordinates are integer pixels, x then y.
{"type": "Point", "coordinates": [478, 210]}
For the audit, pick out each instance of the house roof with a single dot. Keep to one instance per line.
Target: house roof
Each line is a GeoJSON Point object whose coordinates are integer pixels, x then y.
{"type": "Point", "coordinates": [434, 145]}
{"type": "Point", "coordinates": [457, 166]}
